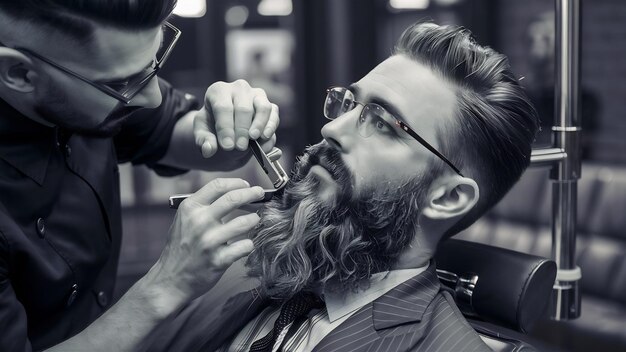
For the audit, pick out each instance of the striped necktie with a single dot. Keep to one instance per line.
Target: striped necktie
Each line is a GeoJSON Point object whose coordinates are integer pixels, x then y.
{"type": "Point", "coordinates": [295, 307]}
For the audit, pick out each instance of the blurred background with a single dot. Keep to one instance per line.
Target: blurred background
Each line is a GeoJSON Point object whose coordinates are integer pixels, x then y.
{"type": "Point", "coordinates": [296, 49]}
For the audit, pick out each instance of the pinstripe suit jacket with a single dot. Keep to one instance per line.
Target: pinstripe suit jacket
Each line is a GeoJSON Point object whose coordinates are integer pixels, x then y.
{"type": "Point", "coordinates": [414, 316]}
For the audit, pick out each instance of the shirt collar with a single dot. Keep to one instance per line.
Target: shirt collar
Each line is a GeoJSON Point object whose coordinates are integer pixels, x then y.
{"type": "Point", "coordinates": [24, 143]}
{"type": "Point", "coordinates": [339, 304]}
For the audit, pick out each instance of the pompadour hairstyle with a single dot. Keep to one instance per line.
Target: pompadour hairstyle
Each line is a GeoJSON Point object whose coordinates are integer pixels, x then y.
{"type": "Point", "coordinates": [75, 18]}
{"type": "Point", "coordinates": [490, 139]}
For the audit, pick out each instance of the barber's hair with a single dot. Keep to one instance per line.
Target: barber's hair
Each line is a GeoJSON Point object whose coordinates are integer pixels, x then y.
{"type": "Point", "coordinates": [490, 139]}
{"type": "Point", "coordinates": [76, 18]}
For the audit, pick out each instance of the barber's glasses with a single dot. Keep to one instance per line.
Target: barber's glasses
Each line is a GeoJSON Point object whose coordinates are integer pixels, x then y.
{"type": "Point", "coordinates": [126, 89]}
{"type": "Point", "coordinates": [373, 118]}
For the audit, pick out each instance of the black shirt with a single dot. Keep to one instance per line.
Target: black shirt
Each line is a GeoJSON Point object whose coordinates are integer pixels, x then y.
{"type": "Point", "coordinates": [60, 218]}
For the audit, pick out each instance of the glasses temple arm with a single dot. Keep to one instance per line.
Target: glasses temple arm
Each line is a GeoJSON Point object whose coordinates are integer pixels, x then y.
{"type": "Point", "coordinates": [428, 146]}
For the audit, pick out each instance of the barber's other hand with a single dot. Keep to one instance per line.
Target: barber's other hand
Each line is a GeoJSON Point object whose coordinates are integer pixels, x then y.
{"type": "Point", "coordinates": [198, 251]}
{"type": "Point", "coordinates": [232, 114]}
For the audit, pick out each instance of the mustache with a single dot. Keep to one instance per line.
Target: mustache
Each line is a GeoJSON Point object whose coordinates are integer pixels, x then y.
{"type": "Point", "coordinates": [329, 158]}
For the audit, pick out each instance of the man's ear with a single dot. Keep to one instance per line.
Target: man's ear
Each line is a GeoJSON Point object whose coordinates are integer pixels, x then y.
{"type": "Point", "coordinates": [16, 70]}
{"type": "Point", "coordinates": [453, 198]}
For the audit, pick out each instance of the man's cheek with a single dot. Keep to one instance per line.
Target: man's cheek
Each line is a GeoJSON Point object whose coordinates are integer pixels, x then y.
{"type": "Point", "coordinates": [91, 102]}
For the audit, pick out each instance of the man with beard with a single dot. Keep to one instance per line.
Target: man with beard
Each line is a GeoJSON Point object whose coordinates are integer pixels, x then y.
{"type": "Point", "coordinates": [416, 151]}
{"type": "Point", "coordinates": [71, 72]}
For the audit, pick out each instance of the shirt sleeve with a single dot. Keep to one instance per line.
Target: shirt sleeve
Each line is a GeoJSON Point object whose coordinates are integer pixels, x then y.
{"type": "Point", "coordinates": [13, 326]}
{"type": "Point", "coordinates": [146, 135]}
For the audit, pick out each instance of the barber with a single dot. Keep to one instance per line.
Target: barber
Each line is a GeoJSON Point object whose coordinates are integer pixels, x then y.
{"type": "Point", "coordinates": [79, 94]}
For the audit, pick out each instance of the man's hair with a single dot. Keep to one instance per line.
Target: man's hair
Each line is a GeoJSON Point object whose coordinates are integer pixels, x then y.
{"type": "Point", "coordinates": [490, 139]}
{"type": "Point", "coordinates": [76, 18]}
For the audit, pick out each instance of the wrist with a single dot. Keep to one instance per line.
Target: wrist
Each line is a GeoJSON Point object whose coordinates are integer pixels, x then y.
{"type": "Point", "coordinates": [162, 298]}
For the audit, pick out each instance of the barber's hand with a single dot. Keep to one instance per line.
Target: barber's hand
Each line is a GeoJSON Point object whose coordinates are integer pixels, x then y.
{"type": "Point", "coordinates": [198, 251]}
{"type": "Point", "coordinates": [232, 114]}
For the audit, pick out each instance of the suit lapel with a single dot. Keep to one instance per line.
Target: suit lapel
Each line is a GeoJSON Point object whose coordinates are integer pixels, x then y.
{"type": "Point", "coordinates": [384, 322]}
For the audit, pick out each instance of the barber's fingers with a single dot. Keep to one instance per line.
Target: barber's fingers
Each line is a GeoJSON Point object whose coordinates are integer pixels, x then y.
{"type": "Point", "coordinates": [268, 138]}
{"type": "Point", "coordinates": [203, 135]}
{"type": "Point", "coordinates": [262, 111]}
{"type": "Point", "coordinates": [212, 191]}
{"type": "Point", "coordinates": [233, 200]}
{"type": "Point", "coordinates": [219, 101]}
{"type": "Point", "coordinates": [239, 112]}
{"type": "Point", "coordinates": [227, 255]}
{"type": "Point", "coordinates": [268, 145]}
{"type": "Point", "coordinates": [243, 97]}
{"type": "Point", "coordinates": [272, 123]}
{"type": "Point", "coordinates": [219, 236]}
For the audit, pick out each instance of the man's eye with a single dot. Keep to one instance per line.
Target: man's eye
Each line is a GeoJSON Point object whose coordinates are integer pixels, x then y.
{"type": "Point", "coordinates": [381, 125]}
{"type": "Point", "coordinates": [348, 105]}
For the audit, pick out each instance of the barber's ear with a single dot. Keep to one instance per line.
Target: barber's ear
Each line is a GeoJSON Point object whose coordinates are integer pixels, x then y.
{"type": "Point", "coordinates": [451, 199]}
{"type": "Point", "coordinates": [16, 70]}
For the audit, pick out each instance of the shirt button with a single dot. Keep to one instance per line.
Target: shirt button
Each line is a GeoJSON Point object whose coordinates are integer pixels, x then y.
{"type": "Point", "coordinates": [103, 299]}
{"type": "Point", "coordinates": [68, 151]}
{"type": "Point", "coordinates": [41, 227]}
{"type": "Point", "coordinates": [73, 295]}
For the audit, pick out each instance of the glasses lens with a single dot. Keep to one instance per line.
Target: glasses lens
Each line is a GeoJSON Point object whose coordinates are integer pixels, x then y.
{"type": "Point", "coordinates": [374, 119]}
{"type": "Point", "coordinates": [338, 102]}
{"type": "Point", "coordinates": [136, 84]}
{"type": "Point", "coordinates": [170, 36]}
{"type": "Point", "coordinates": [365, 122]}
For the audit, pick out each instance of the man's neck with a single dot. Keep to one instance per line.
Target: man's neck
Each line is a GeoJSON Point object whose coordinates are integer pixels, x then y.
{"type": "Point", "coordinates": [423, 246]}
{"type": "Point", "coordinates": [412, 263]}
{"type": "Point", "coordinates": [418, 253]}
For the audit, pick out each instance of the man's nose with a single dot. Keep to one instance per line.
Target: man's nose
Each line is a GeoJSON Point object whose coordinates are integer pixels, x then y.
{"type": "Point", "coordinates": [341, 132]}
{"type": "Point", "coordinates": [149, 96]}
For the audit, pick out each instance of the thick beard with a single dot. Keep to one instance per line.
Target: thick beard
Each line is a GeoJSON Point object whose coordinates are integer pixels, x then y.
{"type": "Point", "coordinates": [303, 243]}
{"type": "Point", "coordinates": [55, 108]}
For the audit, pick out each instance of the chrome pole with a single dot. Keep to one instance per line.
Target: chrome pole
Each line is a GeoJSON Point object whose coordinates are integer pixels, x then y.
{"type": "Point", "coordinates": [565, 174]}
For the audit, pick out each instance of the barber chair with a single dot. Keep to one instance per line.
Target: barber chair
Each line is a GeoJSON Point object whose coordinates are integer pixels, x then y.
{"type": "Point", "coordinates": [501, 292]}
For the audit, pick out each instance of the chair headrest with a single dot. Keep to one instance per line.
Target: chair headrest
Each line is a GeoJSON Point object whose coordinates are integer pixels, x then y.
{"type": "Point", "coordinates": [497, 285]}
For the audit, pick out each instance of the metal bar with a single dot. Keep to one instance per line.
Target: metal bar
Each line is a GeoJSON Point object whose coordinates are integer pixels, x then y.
{"type": "Point", "coordinates": [565, 174]}
{"type": "Point", "coordinates": [547, 156]}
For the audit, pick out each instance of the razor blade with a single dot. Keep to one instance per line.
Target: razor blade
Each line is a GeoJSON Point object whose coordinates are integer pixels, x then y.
{"type": "Point", "coordinates": [272, 169]}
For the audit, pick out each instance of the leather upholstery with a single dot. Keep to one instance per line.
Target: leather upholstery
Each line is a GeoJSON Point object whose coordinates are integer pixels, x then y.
{"type": "Point", "coordinates": [513, 288]}
{"type": "Point", "coordinates": [503, 340]}
{"type": "Point", "coordinates": [521, 221]}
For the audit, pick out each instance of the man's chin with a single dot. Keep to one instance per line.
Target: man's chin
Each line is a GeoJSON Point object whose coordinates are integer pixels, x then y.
{"type": "Point", "coordinates": [108, 128]}
{"type": "Point", "coordinates": [103, 131]}
{"type": "Point", "coordinates": [112, 125]}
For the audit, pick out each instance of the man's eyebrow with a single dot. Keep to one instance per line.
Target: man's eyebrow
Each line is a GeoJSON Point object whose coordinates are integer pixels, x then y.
{"type": "Point", "coordinates": [354, 88]}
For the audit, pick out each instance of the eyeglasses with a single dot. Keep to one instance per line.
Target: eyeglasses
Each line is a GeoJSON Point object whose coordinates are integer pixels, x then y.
{"type": "Point", "coordinates": [125, 90]}
{"type": "Point", "coordinates": [373, 118]}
